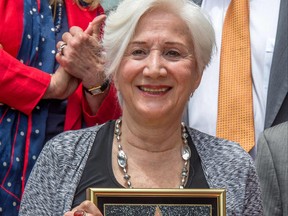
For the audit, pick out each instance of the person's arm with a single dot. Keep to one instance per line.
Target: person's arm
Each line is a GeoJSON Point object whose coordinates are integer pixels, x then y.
{"type": "Point", "coordinates": [89, 68]}
{"type": "Point", "coordinates": [61, 85]}
{"type": "Point", "coordinates": [82, 58]}
{"type": "Point", "coordinates": [52, 183]}
{"type": "Point", "coordinates": [107, 110]}
{"type": "Point", "coordinates": [41, 191]}
{"type": "Point", "coordinates": [78, 109]}
{"type": "Point", "coordinates": [22, 87]}
{"type": "Point", "coordinates": [252, 201]}
{"type": "Point", "coordinates": [268, 178]}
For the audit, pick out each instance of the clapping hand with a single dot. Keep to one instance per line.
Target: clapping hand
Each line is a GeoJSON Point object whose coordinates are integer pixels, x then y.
{"type": "Point", "coordinates": [82, 56]}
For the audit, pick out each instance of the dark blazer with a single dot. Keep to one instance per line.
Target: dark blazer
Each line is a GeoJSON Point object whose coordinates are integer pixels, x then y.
{"type": "Point", "coordinates": [277, 98]}
{"type": "Point", "coordinates": [272, 167]}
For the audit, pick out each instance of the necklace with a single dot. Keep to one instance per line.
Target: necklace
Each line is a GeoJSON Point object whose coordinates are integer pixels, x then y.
{"type": "Point", "coordinates": [57, 14]}
{"type": "Point", "coordinates": [122, 158]}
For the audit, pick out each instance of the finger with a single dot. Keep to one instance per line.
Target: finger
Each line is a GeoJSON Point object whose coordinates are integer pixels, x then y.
{"type": "Point", "coordinates": [67, 36]}
{"type": "Point", "coordinates": [89, 207]}
{"type": "Point", "coordinates": [60, 57]}
{"type": "Point", "coordinates": [80, 213]}
{"type": "Point", "coordinates": [61, 47]}
{"type": "Point", "coordinates": [1, 47]}
{"type": "Point", "coordinates": [61, 60]}
{"type": "Point", "coordinates": [59, 44]}
{"type": "Point", "coordinates": [70, 213]}
{"type": "Point", "coordinates": [75, 30]}
{"type": "Point", "coordinates": [94, 27]}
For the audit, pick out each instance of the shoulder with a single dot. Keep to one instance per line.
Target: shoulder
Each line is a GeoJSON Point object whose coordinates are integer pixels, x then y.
{"type": "Point", "coordinates": [223, 161]}
{"type": "Point", "coordinates": [272, 143]}
{"type": "Point", "coordinates": [277, 133]}
{"type": "Point", "coordinates": [71, 144]}
{"type": "Point", "coordinates": [213, 148]}
{"type": "Point", "coordinates": [74, 136]}
{"type": "Point", "coordinates": [227, 165]}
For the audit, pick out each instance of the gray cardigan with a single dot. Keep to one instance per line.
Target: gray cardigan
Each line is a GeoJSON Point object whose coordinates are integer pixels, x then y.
{"type": "Point", "coordinates": [57, 172]}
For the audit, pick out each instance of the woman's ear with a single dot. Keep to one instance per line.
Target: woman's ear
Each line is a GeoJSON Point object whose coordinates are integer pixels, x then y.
{"type": "Point", "coordinates": [200, 73]}
{"type": "Point", "coordinates": [197, 79]}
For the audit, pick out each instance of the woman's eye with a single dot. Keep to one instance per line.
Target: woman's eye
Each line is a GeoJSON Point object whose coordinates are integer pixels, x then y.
{"type": "Point", "coordinates": [173, 53]}
{"type": "Point", "coordinates": [138, 52]}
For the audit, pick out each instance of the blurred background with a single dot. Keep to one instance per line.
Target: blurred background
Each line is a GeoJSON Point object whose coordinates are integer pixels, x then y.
{"type": "Point", "coordinates": [109, 5]}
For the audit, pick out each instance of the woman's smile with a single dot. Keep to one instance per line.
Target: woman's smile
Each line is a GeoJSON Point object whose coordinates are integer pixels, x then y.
{"type": "Point", "coordinates": [154, 90]}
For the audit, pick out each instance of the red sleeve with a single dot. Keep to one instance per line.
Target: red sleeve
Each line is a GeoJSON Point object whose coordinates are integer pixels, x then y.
{"type": "Point", "coordinates": [108, 110]}
{"type": "Point", "coordinates": [11, 25]}
{"type": "Point", "coordinates": [78, 108]}
{"type": "Point", "coordinates": [22, 87]}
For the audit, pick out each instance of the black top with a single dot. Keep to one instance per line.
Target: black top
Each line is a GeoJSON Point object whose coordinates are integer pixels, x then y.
{"type": "Point", "coordinates": [98, 171]}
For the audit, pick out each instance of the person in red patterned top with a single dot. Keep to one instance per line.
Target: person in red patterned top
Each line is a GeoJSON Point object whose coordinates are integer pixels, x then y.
{"type": "Point", "coordinates": [39, 99]}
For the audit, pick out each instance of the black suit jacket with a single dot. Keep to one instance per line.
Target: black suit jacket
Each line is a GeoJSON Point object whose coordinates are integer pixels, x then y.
{"type": "Point", "coordinates": [277, 99]}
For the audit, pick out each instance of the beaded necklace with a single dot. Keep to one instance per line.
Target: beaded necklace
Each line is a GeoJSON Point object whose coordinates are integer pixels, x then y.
{"type": "Point", "coordinates": [57, 14]}
{"type": "Point", "coordinates": [122, 158]}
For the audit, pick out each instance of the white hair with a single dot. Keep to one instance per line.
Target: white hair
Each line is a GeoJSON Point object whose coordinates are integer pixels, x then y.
{"type": "Point", "coordinates": [121, 25]}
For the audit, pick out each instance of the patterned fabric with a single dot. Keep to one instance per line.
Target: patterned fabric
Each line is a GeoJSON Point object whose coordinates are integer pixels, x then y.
{"type": "Point", "coordinates": [23, 83]}
{"type": "Point", "coordinates": [235, 120]}
{"type": "Point", "coordinates": [22, 136]}
{"type": "Point", "coordinates": [54, 179]}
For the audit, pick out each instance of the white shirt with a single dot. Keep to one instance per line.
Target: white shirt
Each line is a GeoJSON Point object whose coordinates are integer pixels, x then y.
{"type": "Point", "coordinates": [263, 25]}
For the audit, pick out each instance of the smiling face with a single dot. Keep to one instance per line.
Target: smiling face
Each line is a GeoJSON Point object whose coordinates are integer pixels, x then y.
{"type": "Point", "coordinates": [158, 71]}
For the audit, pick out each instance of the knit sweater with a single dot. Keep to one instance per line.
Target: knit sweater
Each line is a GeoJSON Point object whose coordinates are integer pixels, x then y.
{"type": "Point", "coordinates": [55, 177]}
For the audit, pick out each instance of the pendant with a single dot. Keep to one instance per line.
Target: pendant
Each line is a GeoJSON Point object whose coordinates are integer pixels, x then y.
{"type": "Point", "coordinates": [122, 159]}
{"type": "Point", "coordinates": [186, 152]}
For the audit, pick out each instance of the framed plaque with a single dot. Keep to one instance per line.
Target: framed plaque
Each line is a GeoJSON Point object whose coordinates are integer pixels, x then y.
{"type": "Point", "coordinates": [161, 202]}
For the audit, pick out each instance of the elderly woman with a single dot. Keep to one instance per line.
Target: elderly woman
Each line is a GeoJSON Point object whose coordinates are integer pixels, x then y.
{"type": "Point", "coordinates": [156, 51]}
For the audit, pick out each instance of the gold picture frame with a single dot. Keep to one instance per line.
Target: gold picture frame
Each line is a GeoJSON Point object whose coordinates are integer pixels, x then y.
{"type": "Point", "coordinates": [194, 202]}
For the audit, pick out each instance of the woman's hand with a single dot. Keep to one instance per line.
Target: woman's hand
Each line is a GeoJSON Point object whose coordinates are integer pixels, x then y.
{"type": "Point", "coordinates": [86, 208]}
{"type": "Point", "coordinates": [62, 85]}
{"type": "Point", "coordinates": [82, 55]}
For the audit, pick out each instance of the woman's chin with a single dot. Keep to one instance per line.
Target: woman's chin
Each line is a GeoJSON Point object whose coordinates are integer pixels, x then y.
{"type": "Point", "coordinates": [154, 112]}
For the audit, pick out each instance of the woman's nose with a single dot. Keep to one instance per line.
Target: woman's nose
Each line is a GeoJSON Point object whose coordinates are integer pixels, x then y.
{"type": "Point", "coordinates": [155, 65]}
